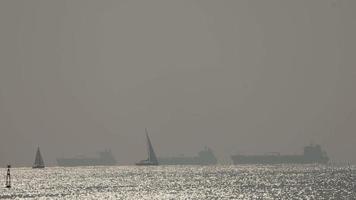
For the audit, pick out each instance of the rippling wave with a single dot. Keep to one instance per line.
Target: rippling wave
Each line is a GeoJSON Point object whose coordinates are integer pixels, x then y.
{"type": "Point", "coordinates": [183, 182]}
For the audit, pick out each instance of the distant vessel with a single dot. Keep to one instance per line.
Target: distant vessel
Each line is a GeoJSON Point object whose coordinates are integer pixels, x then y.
{"type": "Point", "coordinates": [205, 157]}
{"type": "Point", "coordinates": [312, 154]}
{"type": "Point", "coordinates": [39, 163]}
{"type": "Point", "coordinates": [152, 159]}
{"type": "Point", "coordinates": [105, 158]}
{"type": "Point", "coordinates": [8, 177]}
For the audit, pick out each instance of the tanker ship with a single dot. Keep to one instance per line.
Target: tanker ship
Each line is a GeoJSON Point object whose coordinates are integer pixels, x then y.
{"type": "Point", "coordinates": [205, 157]}
{"type": "Point", "coordinates": [103, 158]}
{"type": "Point", "coordinates": [312, 154]}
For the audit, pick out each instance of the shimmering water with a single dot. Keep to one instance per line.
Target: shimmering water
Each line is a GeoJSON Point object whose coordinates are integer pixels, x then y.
{"type": "Point", "coordinates": [183, 182]}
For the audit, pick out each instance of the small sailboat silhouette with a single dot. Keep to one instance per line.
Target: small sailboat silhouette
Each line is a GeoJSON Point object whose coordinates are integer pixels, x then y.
{"type": "Point", "coordinates": [152, 159]}
{"type": "Point", "coordinates": [38, 160]}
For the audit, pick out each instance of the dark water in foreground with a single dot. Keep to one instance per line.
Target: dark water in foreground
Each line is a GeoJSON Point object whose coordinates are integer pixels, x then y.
{"type": "Point", "coordinates": [183, 182]}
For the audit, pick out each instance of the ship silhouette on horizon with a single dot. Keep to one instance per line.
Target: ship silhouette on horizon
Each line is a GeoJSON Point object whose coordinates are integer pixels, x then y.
{"type": "Point", "coordinates": [104, 158]}
{"type": "Point", "coordinates": [312, 154]}
{"type": "Point", "coordinates": [204, 157]}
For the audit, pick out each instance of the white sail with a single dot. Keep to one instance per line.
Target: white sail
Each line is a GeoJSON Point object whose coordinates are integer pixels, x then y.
{"type": "Point", "coordinates": [39, 163]}
{"type": "Point", "coordinates": [151, 154]}
{"type": "Point", "coordinates": [152, 158]}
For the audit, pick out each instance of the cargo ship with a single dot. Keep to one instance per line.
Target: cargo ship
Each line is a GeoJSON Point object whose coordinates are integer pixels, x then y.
{"type": "Point", "coordinates": [312, 154]}
{"type": "Point", "coordinates": [104, 158]}
{"type": "Point", "coordinates": [205, 157]}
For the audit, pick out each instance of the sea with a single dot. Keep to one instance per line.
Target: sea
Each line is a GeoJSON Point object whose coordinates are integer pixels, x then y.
{"type": "Point", "coordinates": [183, 182]}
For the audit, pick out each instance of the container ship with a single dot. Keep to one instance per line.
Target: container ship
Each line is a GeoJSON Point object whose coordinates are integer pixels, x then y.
{"type": "Point", "coordinates": [104, 158]}
{"type": "Point", "coordinates": [312, 154]}
{"type": "Point", "coordinates": [205, 157]}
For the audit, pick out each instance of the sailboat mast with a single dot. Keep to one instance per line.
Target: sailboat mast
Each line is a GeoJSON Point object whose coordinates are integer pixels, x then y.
{"type": "Point", "coordinates": [37, 158]}
{"type": "Point", "coordinates": [148, 145]}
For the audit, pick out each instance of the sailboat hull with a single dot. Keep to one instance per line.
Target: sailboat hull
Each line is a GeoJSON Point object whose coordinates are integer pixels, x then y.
{"type": "Point", "coordinates": [140, 164]}
{"type": "Point", "coordinates": [38, 167]}
{"type": "Point", "coordinates": [146, 164]}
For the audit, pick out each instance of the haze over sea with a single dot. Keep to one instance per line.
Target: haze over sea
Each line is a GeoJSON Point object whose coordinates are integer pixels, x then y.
{"type": "Point", "coordinates": [183, 182]}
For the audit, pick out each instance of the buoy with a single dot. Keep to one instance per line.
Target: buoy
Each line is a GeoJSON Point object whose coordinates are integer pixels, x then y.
{"type": "Point", "coordinates": [8, 177]}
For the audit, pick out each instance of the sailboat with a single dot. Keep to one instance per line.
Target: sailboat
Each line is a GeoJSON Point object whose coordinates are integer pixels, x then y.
{"type": "Point", "coordinates": [38, 160]}
{"type": "Point", "coordinates": [152, 159]}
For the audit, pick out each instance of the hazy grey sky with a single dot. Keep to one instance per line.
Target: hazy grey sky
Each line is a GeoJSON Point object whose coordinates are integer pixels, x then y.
{"type": "Point", "coordinates": [245, 76]}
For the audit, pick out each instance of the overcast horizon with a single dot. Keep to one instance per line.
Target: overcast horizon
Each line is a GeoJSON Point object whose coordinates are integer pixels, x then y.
{"type": "Point", "coordinates": [244, 76]}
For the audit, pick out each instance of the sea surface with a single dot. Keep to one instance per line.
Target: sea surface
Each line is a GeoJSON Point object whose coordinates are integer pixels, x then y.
{"type": "Point", "coordinates": [183, 182]}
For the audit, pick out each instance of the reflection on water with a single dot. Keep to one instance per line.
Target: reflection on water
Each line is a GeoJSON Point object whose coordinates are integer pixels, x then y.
{"type": "Point", "coordinates": [183, 182]}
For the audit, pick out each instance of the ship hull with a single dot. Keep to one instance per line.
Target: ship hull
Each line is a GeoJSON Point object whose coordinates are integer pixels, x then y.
{"type": "Point", "coordinates": [241, 159]}
{"type": "Point", "coordinates": [185, 161]}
